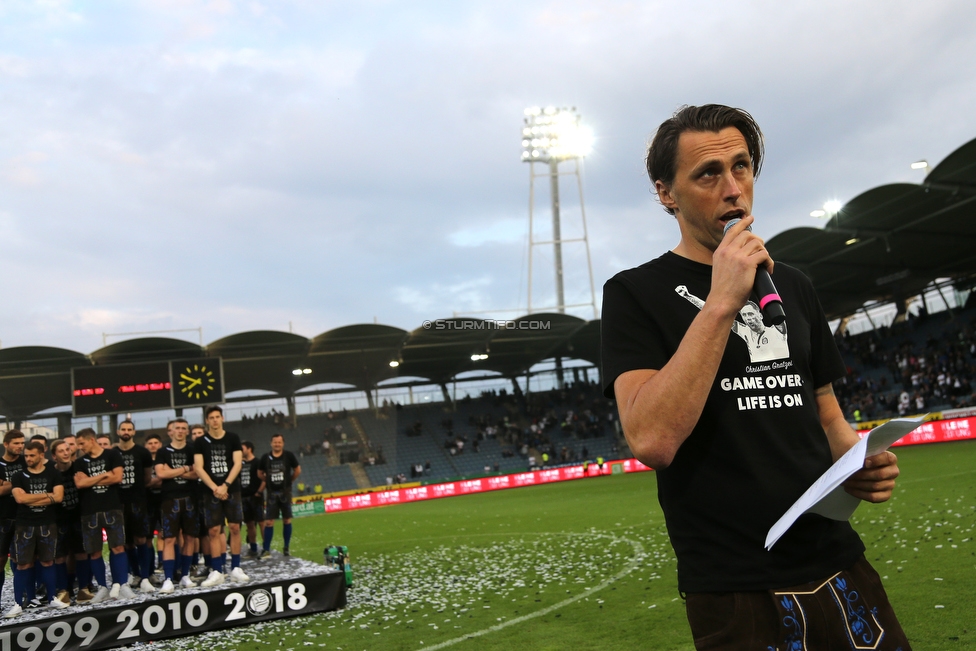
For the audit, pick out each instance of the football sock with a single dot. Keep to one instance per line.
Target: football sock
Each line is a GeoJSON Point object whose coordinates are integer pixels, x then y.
{"type": "Point", "coordinates": [187, 563]}
{"type": "Point", "coordinates": [60, 576]}
{"type": "Point", "coordinates": [119, 564]}
{"type": "Point", "coordinates": [132, 559]}
{"type": "Point", "coordinates": [286, 533]}
{"type": "Point", "coordinates": [83, 569]}
{"type": "Point", "coordinates": [31, 584]}
{"type": "Point", "coordinates": [145, 560]}
{"type": "Point", "coordinates": [20, 584]}
{"type": "Point", "coordinates": [49, 578]}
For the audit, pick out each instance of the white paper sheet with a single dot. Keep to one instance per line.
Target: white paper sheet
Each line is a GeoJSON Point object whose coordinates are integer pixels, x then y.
{"type": "Point", "coordinates": [827, 496]}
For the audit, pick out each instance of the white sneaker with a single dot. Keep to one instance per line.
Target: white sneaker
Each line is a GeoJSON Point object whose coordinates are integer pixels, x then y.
{"type": "Point", "coordinates": [13, 612]}
{"type": "Point", "coordinates": [127, 593]}
{"type": "Point", "coordinates": [101, 595]}
{"type": "Point", "coordinates": [167, 587]}
{"type": "Point", "coordinates": [186, 583]}
{"type": "Point", "coordinates": [57, 604]}
{"type": "Point", "coordinates": [215, 578]}
{"type": "Point", "coordinates": [146, 587]}
{"type": "Point", "coordinates": [114, 592]}
{"type": "Point", "coordinates": [237, 576]}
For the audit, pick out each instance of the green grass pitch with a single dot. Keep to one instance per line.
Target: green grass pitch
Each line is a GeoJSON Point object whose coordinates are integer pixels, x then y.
{"type": "Point", "coordinates": [587, 565]}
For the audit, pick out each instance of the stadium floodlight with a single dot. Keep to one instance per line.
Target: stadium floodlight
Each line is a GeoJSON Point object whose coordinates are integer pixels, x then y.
{"type": "Point", "coordinates": [554, 134]}
{"type": "Point", "coordinates": [832, 207]}
{"type": "Point", "coordinates": [394, 363]}
{"type": "Point", "coordinates": [853, 240]}
{"type": "Point", "coordinates": [550, 136]}
{"type": "Point", "coordinates": [818, 213]}
{"type": "Point", "coordinates": [301, 371]}
{"type": "Point", "coordinates": [478, 357]}
{"type": "Point", "coordinates": [920, 164]}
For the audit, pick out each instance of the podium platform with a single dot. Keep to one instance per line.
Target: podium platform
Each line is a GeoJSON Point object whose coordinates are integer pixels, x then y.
{"type": "Point", "coordinates": [279, 587]}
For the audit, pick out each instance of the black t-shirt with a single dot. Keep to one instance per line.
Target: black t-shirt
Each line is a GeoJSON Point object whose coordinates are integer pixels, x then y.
{"type": "Point", "coordinates": [249, 477]}
{"type": "Point", "coordinates": [68, 508]}
{"type": "Point", "coordinates": [176, 487]}
{"type": "Point", "coordinates": [136, 461]}
{"type": "Point", "coordinates": [758, 444]}
{"type": "Point", "coordinates": [155, 494]}
{"type": "Point", "coordinates": [100, 498]}
{"type": "Point", "coordinates": [34, 484]}
{"type": "Point", "coordinates": [218, 457]}
{"type": "Point", "coordinates": [8, 505]}
{"type": "Point", "coordinates": [278, 470]}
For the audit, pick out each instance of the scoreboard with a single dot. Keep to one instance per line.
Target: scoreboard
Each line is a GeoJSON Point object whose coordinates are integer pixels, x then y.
{"type": "Point", "coordinates": [147, 386]}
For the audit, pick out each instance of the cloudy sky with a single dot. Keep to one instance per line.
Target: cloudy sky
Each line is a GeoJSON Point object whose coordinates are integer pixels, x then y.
{"type": "Point", "coordinates": [233, 166]}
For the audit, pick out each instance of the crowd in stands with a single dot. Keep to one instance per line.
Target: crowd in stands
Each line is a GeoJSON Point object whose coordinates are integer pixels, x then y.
{"type": "Point", "coordinates": [274, 416]}
{"type": "Point", "coordinates": [923, 364]}
{"type": "Point", "coordinates": [537, 424]}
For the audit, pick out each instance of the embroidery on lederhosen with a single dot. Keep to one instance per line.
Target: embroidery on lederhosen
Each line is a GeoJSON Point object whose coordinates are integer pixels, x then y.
{"type": "Point", "coordinates": [794, 622]}
{"type": "Point", "coordinates": [863, 629]}
{"type": "Point", "coordinates": [863, 634]}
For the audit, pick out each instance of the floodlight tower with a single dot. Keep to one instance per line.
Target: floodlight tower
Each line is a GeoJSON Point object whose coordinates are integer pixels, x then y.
{"type": "Point", "coordinates": [550, 136]}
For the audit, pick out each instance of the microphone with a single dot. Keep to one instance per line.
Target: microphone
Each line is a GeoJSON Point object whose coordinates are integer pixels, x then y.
{"type": "Point", "coordinates": [769, 299]}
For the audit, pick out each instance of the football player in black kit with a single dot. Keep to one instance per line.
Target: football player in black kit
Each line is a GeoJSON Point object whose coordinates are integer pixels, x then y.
{"type": "Point", "coordinates": [279, 468]}
{"type": "Point", "coordinates": [252, 496]}
{"type": "Point", "coordinates": [136, 478]}
{"type": "Point", "coordinates": [98, 475]}
{"type": "Point", "coordinates": [37, 490]}
{"type": "Point", "coordinates": [11, 461]}
{"type": "Point", "coordinates": [154, 498]}
{"type": "Point", "coordinates": [217, 459]}
{"type": "Point", "coordinates": [70, 557]}
{"type": "Point", "coordinates": [178, 512]}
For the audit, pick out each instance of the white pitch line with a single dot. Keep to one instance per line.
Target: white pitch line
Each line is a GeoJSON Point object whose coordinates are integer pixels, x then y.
{"type": "Point", "coordinates": [638, 554]}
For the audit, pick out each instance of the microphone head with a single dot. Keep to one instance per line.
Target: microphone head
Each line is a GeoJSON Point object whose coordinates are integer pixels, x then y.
{"type": "Point", "coordinates": [732, 222]}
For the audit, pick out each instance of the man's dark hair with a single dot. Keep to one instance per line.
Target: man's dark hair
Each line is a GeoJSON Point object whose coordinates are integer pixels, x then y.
{"type": "Point", "coordinates": [129, 422]}
{"type": "Point", "coordinates": [87, 433]}
{"type": "Point", "coordinates": [57, 444]}
{"type": "Point", "coordinates": [176, 420]}
{"type": "Point", "coordinates": [36, 446]}
{"type": "Point", "coordinates": [154, 436]}
{"type": "Point", "coordinates": [662, 153]}
{"type": "Point", "coordinates": [12, 435]}
{"type": "Point", "coordinates": [248, 445]}
{"type": "Point", "coordinates": [211, 409]}
{"type": "Point", "coordinates": [278, 435]}
{"type": "Point", "coordinates": [39, 438]}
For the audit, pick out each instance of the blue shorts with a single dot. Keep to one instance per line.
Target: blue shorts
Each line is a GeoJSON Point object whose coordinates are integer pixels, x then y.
{"type": "Point", "coordinates": [279, 505]}
{"type": "Point", "coordinates": [216, 511]}
{"type": "Point", "coordinates": [91, 530]}
{"type": "Point", "coordinates": [179, 514]}
{"type": "Point", "coordinates": [34, 543]}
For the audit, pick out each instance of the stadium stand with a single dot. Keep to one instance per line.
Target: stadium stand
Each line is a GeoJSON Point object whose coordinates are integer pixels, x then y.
{"type": "Point", "coordinates": [495, 433]}
{"type": "Point", "coordinates": [922, 364]}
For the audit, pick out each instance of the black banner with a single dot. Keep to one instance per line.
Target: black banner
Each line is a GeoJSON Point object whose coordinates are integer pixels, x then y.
{"type": "Point", "coordinates": [184, 613]}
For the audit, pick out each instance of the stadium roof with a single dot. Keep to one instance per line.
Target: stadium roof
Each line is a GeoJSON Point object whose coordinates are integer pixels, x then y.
{"type": "Point", "coordinates": [893, 241]}
{"type": "Point", "coordinates": [886, 244]}
{"type": "Point", "coordinates": [35, 378]}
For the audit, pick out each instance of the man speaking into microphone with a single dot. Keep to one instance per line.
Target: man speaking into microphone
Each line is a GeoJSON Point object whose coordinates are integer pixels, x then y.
{"type": "Point", "coordinates": [739, 427]}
